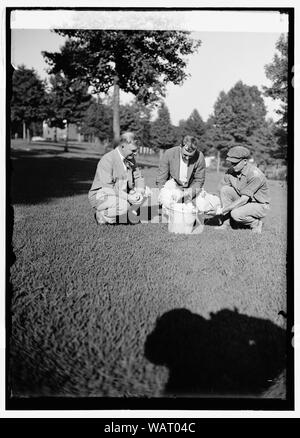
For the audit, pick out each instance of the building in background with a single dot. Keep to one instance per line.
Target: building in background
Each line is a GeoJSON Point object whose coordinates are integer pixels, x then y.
{"type": "Point", "coordinates": [59, 134]}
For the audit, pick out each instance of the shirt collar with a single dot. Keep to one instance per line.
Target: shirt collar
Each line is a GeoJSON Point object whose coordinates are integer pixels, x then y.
{"type": "Point", "coordinates": [245, 169]}
{"type": "Point", "coordinates": [122, 157]}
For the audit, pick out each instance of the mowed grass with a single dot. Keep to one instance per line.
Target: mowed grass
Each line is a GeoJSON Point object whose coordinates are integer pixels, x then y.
{"type": "Point", "coordinates": [87, 301]}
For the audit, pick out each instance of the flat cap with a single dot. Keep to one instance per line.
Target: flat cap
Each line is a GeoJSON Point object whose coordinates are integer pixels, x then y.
{"type": "Point", "coordinates": [237, 153]}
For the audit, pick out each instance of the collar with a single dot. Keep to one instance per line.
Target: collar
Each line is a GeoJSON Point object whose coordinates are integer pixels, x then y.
{"type": "Point", "coordinates": [245, 169]}
{"type": "Point", "coordinates": [191, 159]}
{"type": "Point", "coordinates": [122, 157]}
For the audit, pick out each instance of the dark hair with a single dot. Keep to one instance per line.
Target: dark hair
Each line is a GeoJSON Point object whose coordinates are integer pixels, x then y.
{"type": "Point", "coordinates": [189, 141]}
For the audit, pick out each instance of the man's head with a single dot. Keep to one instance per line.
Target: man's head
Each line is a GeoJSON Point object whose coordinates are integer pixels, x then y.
{"type": "Point", "coordinates": [188, 147]}
{"type": "Point", "coordinates": [128, 145]}
{"type": "Point", "coordinates": [238, 158]}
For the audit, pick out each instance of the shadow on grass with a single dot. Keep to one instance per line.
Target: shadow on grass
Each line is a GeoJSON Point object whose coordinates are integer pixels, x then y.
{"type": "Point", "coordinates": [35, 178]}
{"type": "Point", "coordinates": [40, 175]}
{"type": "Point", "coordinates": [229, 354]}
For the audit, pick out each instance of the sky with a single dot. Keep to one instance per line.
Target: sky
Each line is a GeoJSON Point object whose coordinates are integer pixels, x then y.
{"type": "Point", "coordinates": [223, 59]}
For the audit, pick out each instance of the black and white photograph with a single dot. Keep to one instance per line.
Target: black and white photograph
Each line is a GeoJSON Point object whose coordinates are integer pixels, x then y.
{"type": "Point", "coordinates": [149, 160]}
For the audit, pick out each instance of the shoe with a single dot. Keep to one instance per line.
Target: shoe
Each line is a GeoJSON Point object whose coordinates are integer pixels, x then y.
{"type": "Point", "coordinates": [99, 218]}
{"type": "Point", "coordinates": [257, 229]}
{"type": "Point", "coordinates": [223, 226]}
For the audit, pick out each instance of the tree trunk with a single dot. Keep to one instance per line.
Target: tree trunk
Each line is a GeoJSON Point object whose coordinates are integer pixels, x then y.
{"type": "Point", "coordinates": [116, 111]}
{"type": "Point", "coordinates": [66, 149]}
{"type": "Point", "coordinates": [28, 135]}
{"type": "Point", "coordinates": [161, 154]}
{"type": "Point", "coordinates": [55, 134]}
{"type": "Point", "coordinates": [24, 131]}
{"type": "Point", "coordinates": [218, 162]}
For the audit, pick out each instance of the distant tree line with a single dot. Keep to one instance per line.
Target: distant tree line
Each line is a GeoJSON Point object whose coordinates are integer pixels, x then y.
{"type": "Point", "coordinates": [238, 118]}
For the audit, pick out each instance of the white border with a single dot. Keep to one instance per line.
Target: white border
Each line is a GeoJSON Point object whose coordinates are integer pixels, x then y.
{"type": "Point", "coordinates": [146, 413]}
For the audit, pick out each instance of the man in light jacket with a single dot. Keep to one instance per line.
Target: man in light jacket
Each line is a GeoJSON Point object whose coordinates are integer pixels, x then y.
{"type": "Point", "coordinates": [118, 182]}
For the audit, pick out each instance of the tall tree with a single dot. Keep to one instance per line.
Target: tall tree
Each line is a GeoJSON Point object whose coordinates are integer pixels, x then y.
{"type": "Point", "coordinates": [28, 99]}
{"type": "Point", "coordinates": [140, 62]}
{"type": "Point", "coordinates": [97, 120]}
{"type": "Point", "coordinates": [136, 117]}
{"type": "Point", "coordinates": [240, 119]}
{"type": "Point", "coordinates": [162, 131]}
{"type": "Point", "coordinates": [195, 125]}
{"type": "Point", "coordinates": [208, 140]}
{"type": "Point", "coordinates": [277, 73]}
{"type": "Point", "coordinates": [68, 101]}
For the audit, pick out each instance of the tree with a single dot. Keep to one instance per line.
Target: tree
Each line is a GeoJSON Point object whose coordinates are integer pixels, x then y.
{"type": "Point", "coordinates": [194, 125]}
{"type": "Point", "coordinates": [136, 117]}
{"type": "Point", "coordinates": [97, 120]}
{"type": "Point", "coordinates": [207, 144]}
{"type": "Point", "coordinates": [140, 62]}
{"type": "Point", "coordinates": [68, 101]}
{"type": "Point", "coordinates": [162, 131]}
{"type": "Point", "coordinates": [240, 119]}
{"type": "Point", "coordinates": [28, 100]}
{"type": "Point", "coordinates": [277, 73]}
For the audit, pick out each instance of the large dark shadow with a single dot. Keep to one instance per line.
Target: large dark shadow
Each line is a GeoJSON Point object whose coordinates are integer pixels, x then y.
{"type": "Point", "coordinates": [228, 355]}
{"type": "Point", "coordinates": [36, 178]}
{"type": "Point", "coordinates": [41, 174]}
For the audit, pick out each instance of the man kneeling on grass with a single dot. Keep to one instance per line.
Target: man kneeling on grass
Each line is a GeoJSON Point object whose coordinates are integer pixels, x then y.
{"type": "Point", "coordinates": [181, 177]}
{"type": "Point", "coordinates": [118, 187]}
{"type": "Point", "coordinates": [244, 192]}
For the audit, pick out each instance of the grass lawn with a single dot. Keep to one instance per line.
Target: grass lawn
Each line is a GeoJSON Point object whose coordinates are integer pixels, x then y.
{"type": "Point", "coordinates": [132, 310]}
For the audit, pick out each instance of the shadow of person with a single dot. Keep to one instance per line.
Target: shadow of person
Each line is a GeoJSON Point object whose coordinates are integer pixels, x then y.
{"type": "Point", "coordinates": [228, 355]}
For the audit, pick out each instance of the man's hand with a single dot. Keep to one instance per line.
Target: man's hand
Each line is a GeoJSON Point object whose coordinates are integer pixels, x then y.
{"type": "Point", "coordinates": [177, 196]}
{"type": "Point", "coordinates": [135, 198]}
{"type": "Point", "coordinates": [215, 212]}
{"type": "Point", "coordinates": [219, 211]}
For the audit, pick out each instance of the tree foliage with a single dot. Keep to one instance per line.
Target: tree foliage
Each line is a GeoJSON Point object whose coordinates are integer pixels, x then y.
{"type": "Point", "coordinates": [68, 100]}
{"type": "Point", "coordinates": [136, 117]}
{"type": "Point", "coordinates": [162, 131]}
{"type": "Point", "coordinates": [144, 61]}
{"type": "Point", "coordinates": [28, 99]}
{"type": "Point", "coordinates": [277, 73]}
{"type": "Point", "coordinates": [140, 62]}
{"type": "Point", "coordinates": [194, 125]}
{"type": "Point", "coordinates": [97, 120]}
{"type": "Point", "coordinates": [240, 119]}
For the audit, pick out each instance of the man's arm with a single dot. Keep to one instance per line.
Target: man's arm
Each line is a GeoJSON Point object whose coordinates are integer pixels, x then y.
{"type": "Point", "coordinates": [105, 174]}
{"type": "Point", "coordinates": [238, 203]}
{"type": "Point", "coordinates": [199, 177]}
{"type": "Point", "coordinates": [138, 179]}
{"type": "Point", "coordinates": [163, 171]}
{"type": "Point", "coordinates": [246, 193]}
{"type": "Point", "coordinates": [225, 181]}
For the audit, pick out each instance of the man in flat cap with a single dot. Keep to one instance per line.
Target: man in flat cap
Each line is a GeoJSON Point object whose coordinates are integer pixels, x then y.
{"type": "Point", "coordinates": [244, 192]}
{"type": "Point", "coordinates": [181, 176]}
{"type": "Point", "coordinates": [118, 184]}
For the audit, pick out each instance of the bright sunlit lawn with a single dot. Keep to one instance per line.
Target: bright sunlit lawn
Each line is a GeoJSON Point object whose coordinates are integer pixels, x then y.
{"type": "Point", "coordinates": [132, 310]}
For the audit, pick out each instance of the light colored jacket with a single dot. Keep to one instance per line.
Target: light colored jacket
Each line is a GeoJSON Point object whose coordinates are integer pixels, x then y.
{"type": "Point", "coordinates": [110, 173]}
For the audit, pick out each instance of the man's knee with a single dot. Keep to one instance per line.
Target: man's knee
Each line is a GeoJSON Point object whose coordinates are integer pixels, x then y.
{"type": "Point", "coordinates": [227, 190]}
{"type": "Point", "coordinates": [123, 206]}
{"type": "Point", "coordinates": [115, 207]}
{"type": "Point", "coordinates": [236, 216]}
